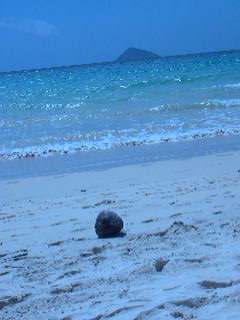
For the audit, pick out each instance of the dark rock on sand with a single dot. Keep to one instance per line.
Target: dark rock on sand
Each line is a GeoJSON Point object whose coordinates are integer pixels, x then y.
{"type": "Point", "coordinates": [11, 300]}
{"type": "Point", "coordinates": [55, 243]}
{"type": "Point", "coordinates": [97, 250]}
{"type": "Point", "coordinates": [191, 303]}
{"type": "Point", "coordinates": [67, 289]}
{"type": "Point", "coordinates": [148, 220]}
{"type": "Point", "coordinates": [160, 264]}
{"type": "Point", "coordinates": [215, 285]}
{"type": "Point", "coordinates": [196, 260]}
{"type": "Point", "coordinates": [145, 314]}
{"type": "Point", "coordinates": [177, 314]}
{"type": "Point", "coordinates": [108, 224]}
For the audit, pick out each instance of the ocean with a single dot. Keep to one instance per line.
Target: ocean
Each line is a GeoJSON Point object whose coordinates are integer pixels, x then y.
{"type": "Point", "coordinates": [97, 107]}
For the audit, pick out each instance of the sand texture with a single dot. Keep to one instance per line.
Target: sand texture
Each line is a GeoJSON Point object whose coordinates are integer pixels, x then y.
{"type": "Point", "coordinates": [179, 259]}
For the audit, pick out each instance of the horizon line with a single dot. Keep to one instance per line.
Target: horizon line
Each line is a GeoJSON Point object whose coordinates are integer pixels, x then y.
{"type": "Point", "coordinates": [117, 62]}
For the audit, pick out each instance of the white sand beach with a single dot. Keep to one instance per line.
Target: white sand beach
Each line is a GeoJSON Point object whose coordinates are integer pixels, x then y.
{"type": "Point", "coordinates": [53, 266]}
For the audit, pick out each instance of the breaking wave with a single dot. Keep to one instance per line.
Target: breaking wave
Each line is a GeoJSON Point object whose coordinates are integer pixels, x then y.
{"type": "Point", "coordinates": [110, 142]}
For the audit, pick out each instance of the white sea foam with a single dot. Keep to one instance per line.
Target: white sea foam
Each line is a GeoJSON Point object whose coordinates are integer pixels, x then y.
{"type": "Point", "coordinates": [111, 141]}
{"type": "Point", "coordinates": [228, 85]}
{"type": "Point", "coordinates": [222, 102]}
{"type": "Point", "coordinates": [233, 85]}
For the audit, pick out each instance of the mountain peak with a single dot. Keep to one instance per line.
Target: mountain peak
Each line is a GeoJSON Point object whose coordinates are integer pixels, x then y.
{"type": "Point", "coordinates": [134, 54]}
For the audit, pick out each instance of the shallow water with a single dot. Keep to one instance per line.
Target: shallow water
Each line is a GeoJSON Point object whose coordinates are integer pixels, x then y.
{"type": "Point", "coordinates": [110, 158]}
{"type": "Point", "coordinates": [81, 108]}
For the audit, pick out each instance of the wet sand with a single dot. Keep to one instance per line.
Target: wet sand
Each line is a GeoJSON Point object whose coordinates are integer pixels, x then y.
{"type": "Point", "coordinates": [53, 266]}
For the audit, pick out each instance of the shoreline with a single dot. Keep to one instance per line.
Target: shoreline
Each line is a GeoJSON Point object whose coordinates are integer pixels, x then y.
{"type": "Point", "coordinates": [79, 147]}
{"type": "Point", "coordinates": [185, 210]}
{"type": "Point", "coordinates": [110, 158]}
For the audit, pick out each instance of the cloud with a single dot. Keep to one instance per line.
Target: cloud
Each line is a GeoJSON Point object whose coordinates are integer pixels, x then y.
{"type": "Point", "coordinates": [31, 26]}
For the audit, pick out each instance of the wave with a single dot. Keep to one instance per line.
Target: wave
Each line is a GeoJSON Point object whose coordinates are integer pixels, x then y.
{"type": "Point", "coordinates": [166, 80]}
{"type": "Point", "coordinates": [110, 142]}
{"type": "Point", "coordinates": [228, 85]}
{"type": "Point", "coordinates": [232, 85]}
{"type": "Point", "coordinates": [222, 102]}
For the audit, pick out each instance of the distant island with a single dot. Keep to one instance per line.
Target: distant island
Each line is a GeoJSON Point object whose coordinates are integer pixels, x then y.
{"type": "Point", "coordinates": [129, 55]}
{"type": "Point", "coordinates": [134, 54]}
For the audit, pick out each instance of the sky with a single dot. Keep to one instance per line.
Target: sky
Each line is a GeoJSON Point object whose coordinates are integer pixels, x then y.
{"type": "Point", "coordinates": [46, 33]}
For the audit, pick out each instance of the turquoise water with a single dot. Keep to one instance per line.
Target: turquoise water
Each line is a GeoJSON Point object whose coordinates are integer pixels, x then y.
{"type": "Point", "coordinates": [80, 108]}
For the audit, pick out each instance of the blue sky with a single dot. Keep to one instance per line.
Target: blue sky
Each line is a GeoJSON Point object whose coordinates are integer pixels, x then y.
{"type": "Point", "coordinates": [46, 33]}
